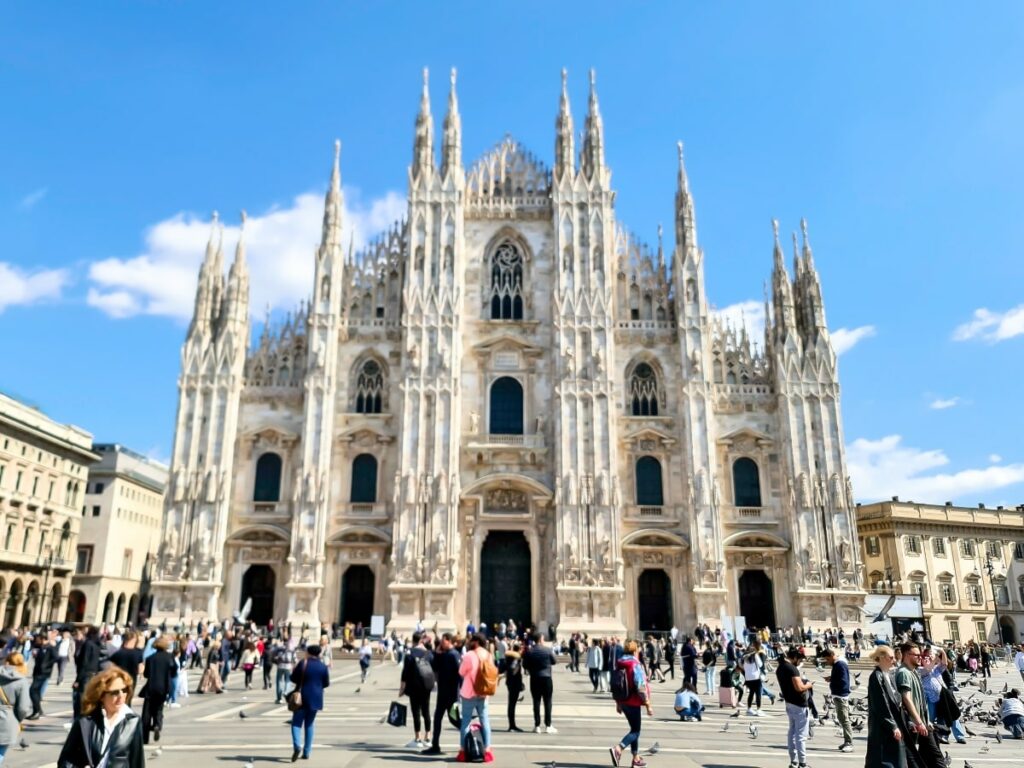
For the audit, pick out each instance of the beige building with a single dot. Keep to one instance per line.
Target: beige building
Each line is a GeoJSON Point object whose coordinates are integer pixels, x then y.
{"type": "Point", "coordinates": [120, 535]}
{"type": "Point", "coordinates": [43, 470]}
{"type": "Point", "coordinates": [945, 554]}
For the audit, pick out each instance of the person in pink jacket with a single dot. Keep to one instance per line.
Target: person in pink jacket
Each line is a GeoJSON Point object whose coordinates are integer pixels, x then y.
{"type": "Point", "coordinates": [470, 702]}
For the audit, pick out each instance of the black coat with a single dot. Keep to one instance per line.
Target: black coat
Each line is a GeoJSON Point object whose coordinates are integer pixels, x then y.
{"type": "Point", "coordinates": [87, 661]}
{"type": "Point", "coordinates": [46, 657]}
{"type": "Point", "coordinates": [82, 747]}
{"type": "Point", "coordinates": [446, 669]}
{"type": "Point", "coordinates": [160, 671]}
{"type": "Point", "coordinates": [885, 714]}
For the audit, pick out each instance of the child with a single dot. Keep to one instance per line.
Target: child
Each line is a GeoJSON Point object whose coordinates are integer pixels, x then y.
{"type": "Point", "coordinates": [688, 704]}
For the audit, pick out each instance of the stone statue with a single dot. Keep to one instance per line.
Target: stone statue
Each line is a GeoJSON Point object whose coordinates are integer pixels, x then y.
{"type": "Point", "coordinates": [567, 360]}
{"type": "Point", "coordinates": [474, 422]}
{"type": "Point", "coordinates": [844, 555]}
{"type": "Point", "coordinates": [180, 484]}
{"type": "Point", "coordinates": [414, 356]}
{"type": "Point", "coordinates": [558, 489]}
{"type": "Point", "coordinates": [171, 543]}
{"type": "Point", "coordinates": [306, 546]}
{"type": "Point", "coordinates": [408, 549]}
{"type": "Point", "coordinates": [397, 498]}
{"type": "Point", "coordinates": [323, 487]}
{"type": "Point", "coordinates": [540, 424]}
{"type": "Point", "coordinates": [310, 487]}
{"type": "Point", "coordinates": [601, 482]}
{"type": "Point", "coordinates": [805, 491]}
{"type": "Point", "coordinates": [606, 553]}
{"type": "Point", "coordinates": [599, 360]}
{"type": "Point", "coordinates": [442, 549]}
{"type": "Point", "coordinates": [849, 494]}
{"type": "Point", "coordinates": [297, 486]}
{"type": "Point", "coordinates": [615, 491]}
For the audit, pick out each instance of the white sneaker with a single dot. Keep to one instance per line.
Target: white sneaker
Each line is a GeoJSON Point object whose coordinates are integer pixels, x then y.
{"type": "Point", "coordinates": [552, 729]}
{"type": "Point", "coordinates": [175, 705]}
{"type": "Point", "coordinates": [414, 744]}
{"type": "Point", "coordinates": [751, 712]}
{"type": "Point", "coordinates": [537, 729]}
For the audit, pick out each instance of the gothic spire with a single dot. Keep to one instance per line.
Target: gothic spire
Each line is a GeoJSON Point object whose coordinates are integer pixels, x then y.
{"type": "Point", "coordinates": [333, 203]}
{"type": "Point", "coordinates": [202, 311]}
{"type": "Point", "coordinates": [808, 256]}
{"type": "Point", "coordinates": [423, 147]}
{"type": "Point", "coordinates": [237, 299]}
{"type": "Point", "coordinates": [239, 267]}
{"type": "Point", "coordinates": [782, 293]}
{"type": "Point", "coordinates": [810, 286]}
{"type": "Point", "coordinates": [686, 220]}
{"type": "Point", "coordinates": [592, 160]}
{"type": "Point", "coordinates": [451, 152]}
{"type": "Point", "coordinates": [565, 160]}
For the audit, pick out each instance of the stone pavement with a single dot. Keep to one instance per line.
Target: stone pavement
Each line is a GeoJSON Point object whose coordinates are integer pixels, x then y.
{"type": "Point", "coordinates": [207, 730]}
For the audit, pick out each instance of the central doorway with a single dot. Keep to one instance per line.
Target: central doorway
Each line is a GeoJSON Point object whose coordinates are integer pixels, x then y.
{"type": "Point", "coordinates": [757, 599]}
{"type": "Point", "coordinates": [258, 585]}
{"type": "Point", "coordinates": [505, 583]}
{"type": "Point", "coordinates": [357, 586]}
{"type": "Point", "coordinates": [654, 595]}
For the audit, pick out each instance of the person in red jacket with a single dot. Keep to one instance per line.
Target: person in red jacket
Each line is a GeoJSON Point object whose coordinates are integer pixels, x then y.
{"type": "Point", "coordinates": [630, 707]}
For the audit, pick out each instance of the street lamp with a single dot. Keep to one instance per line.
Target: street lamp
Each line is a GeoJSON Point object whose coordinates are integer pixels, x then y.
{"type": "Point", "coordinates": [991, 568]}
{"type": "Point", "coordinates": [51, 556]}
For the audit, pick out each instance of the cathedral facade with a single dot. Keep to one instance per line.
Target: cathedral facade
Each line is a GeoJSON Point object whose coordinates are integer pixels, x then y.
{"type": "Point", "coordinates": [506, 406]}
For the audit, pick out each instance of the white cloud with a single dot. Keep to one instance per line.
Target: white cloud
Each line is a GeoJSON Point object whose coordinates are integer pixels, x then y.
{"type": "Point", "coordinates": [749, 314]}
{"type": "Point", "coordinates": [992, 326]}
{"type": "Point", "coordinates": [279, 248]}
{"type": "Point", "coordinates": [29, 201]}
{"type": "Point", "coordinates": [20, 287]}
{"type": "Point", "coordinates": [844, 339]}
{"type": "Point", "coordinates": [885, 467]}
{"type": "Point", "coordinates": [995, 458]}
{"type": "Point", "coordinates": [941, 404]}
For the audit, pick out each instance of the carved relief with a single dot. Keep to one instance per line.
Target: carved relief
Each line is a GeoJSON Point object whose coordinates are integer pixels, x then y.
{"type": "Point", "coordinates": [506, 500]}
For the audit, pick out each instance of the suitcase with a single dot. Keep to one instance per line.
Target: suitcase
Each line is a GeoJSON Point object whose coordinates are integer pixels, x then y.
{"type": "Point", "coordinates": [727, 697]}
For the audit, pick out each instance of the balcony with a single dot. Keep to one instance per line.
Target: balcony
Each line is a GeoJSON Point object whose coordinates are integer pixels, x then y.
{"type": "Point", "coordinates": [363, 510]}
{"type": "Point", "coordinates": [750, 517]}
{"type": "Point", "coordinates": [489, 449]}
{"type": "Point", "coordinates": [650, 514]}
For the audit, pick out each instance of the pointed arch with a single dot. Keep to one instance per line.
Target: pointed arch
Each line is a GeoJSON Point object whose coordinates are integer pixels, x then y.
{"type": "Point", "coordinates": [505, 277]}
{"type": "Point", "coordinates": [645, 394]}
{"type": "Point", "coordinates": [368, 384]}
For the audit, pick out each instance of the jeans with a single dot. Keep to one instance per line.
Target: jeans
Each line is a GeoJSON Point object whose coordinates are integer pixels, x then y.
{"type": "Point", "coordinates": [631, 739]}
{"type": "Point", "coordinates": [225, 669]}
{"type": "Point", "coordinates": [303, 718]}
{"type": "Point", "coordinates": [36, 693]}
{"type": "Point", "coordinates": [843, 716]}
{"type": "Point", "coordinates": [478, 705]}
{"type": "Point", "coordinates": [541, 689]}
{"type": "Point", "coordinates": [284, 683]}
{"type": "Point", "coordinates": [1015, 725]}
{"type": "Point", "coordinates": [3, 751]}
{"type": "Point", "coordinates": [62, 663]}
{"type": "Point", "coordinates": [796, 738]}
{"type": "Point", "coordinates": [709, 681]}
{"type": "Point", "coordinates": [595, 677]}
{"type": "Point", "coordinates": [956, 726]}
{"type": "Point", "coordinates": [693, 710]}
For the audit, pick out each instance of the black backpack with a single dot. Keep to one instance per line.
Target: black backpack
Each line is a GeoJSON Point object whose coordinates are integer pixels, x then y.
{"type": "Point", "coordinates": [622, 685]}
{"type": "Point", "coordinates": [424, 672]}
{"type": "Point", "coordinates": [473, 747]}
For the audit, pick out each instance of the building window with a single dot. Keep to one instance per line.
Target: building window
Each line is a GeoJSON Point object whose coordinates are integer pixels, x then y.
{"type": "Point", "coordinates": [83, 560]}
{"type": "Point", "coordinates": [506, 288]}
{"type": "Point", "coordinates": [648, 482]}
{"type": "Point", "coordinates": [95, 510]}
{"type": "Point", "coordinates": [24, 541]}
{"type": "Point", "coordinates": [947, 592]}
{"type": "Point", "coordinates": [506, 407]}
{"type": "Point", "coordinates": [994, 550]}
{"type": "Point", "coordinates": [939, 546]}
{"type": "Point", "coordinates": [643, 391]}
{"type": "Point", "coordinates": [370, 388]}
{"type": "Point", "coordinates": [920, 589]}
{"type": "Point", "coordinates": [2, 468]}
{"type": "Point", "coordinates": [1002, 594]}
{"type": "Point", "coordinates": [49, 493]}
{"type": "Point", "coordinates": [967, 548]}
{"type": "Point", "coordinates": [364, 479]}
{"type": "Point", "coordinates": [913, 545]}
{"type": "Point", "coordinates": [126, 565]}
{"type": "Point", "coordinates": [268, 478]}
{"type": "Point", "coordinates": [17, 480]}
{"type": "Point", "coordinates": [872, 546]}
{"type": "Point", "coordinates": [746, 483]}
{"type": "Point", "coordinates": [954, 631]}
{"type": "Point", "coordinates": [9, 539]}
{"type": "Point", "coordinates": [98, 488]}
{"type": "Point", "coordinates": [35, 485]}
{"type": "Point", "coordinates": [980, 630]}
{"type": "Point", "coordinates": [974, 596]}
{"type": "Point", "coordinates": [1018, 550]}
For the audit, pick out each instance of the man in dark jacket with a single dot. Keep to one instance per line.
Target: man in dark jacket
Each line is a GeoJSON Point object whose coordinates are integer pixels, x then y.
{"type": "Point", "coordinates": [45, 655]}
{"type": "Point", "coordinates": [446, 671]}
{"type": "Point", "coordinates": [161, 671]}
{"type": "Point", "coordinates": [310, 676]}
{"type": "Point", "coordinates": [538, 661]}
{"type": "Point", "coordinates": [689, 657]}
{"type": "Point", "coordinates": [87, 663]}
{"type": "Point", "coordinates": [839, 686]}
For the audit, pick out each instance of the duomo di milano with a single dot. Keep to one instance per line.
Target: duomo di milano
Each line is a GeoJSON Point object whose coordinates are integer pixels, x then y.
{"type": "Point", "coordinates": [507, 406]}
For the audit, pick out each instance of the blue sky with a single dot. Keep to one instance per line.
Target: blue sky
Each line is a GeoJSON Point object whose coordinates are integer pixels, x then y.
{"type": "Point", "coordinates": [896, 129]}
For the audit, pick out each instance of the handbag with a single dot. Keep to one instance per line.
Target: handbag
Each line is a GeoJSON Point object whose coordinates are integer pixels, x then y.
{"type": "Point", "coordinates": [397, 714]}
{"type": "Point", "coordinates": [294, 697]}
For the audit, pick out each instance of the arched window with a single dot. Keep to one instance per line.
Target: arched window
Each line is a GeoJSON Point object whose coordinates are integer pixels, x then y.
{"type": "Point", "coordinates": [746, 483]}
{"type": "Point", "coordinates": [364, 479]}
{"type": "Point", "coordinates": [268, 478]}
{"type": "Point", "coordinates": [370, 388]}
{"type": "Point", "coordinates": [643, 391]}
{"type": "Point", "coordinates": [648, 482]}
{"type": "Point", "coordinates": [506, 407]}
{"type": "Point", "coordinates": [506, 284]}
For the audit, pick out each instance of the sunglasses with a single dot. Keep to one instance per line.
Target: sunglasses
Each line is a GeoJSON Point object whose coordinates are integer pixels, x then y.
{"type": "Point", "coordinates": [116, 692]}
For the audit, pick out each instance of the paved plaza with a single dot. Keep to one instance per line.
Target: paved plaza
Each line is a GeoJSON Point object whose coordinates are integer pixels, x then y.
{"type": "Point", "coordinates": [209, 730]}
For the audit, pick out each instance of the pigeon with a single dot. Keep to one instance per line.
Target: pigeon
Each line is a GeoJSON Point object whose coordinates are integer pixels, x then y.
{"type": "Point", "coordinates": [984, 748]}
{"type": "Point", "coordinates": [735, 714]}
{"type": "Point", "coordinates": [357, 690]}
{"type": "Point", "coordinates": [725, 728]}
{"type": "Point", "coordinates": [967, 765]}
{"type": "Point", "coordinates": [655, 748]}
{"type": "Point", "coordinates": [23, 743]}
{"type": "Point", "coordinates": [242, 715]}
{"type": "Point", "coordinates": [157, 752]}
{"type": "Point", "coordinates": [753, 730]}
{"type": "Point", "coordinates": [1006, 687]}
{"type": "Point", "coordinates": [250, 764]}
{"type": "Point", "coordinates": [856, 677]}
{"type": "Point", "coordinates": [969, 731]}
{"type": "Point", "coordinates": [552, 764]}
{"type": "Point", "coordinates": [999, 738]}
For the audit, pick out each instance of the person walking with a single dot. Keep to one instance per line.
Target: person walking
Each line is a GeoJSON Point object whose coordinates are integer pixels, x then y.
{"type": "Point", "coordinates": [87, 664]}
{"type": "Point", "coordinates": [885, 736]}
{"type": "Point", "coordinates": [109, 733]}
{"type": "Point", "coordinates": [267, 663]}
{"type": "Point", "coordinates": [161, 671]}
{"type": "Point", "coordinates": [310, 677]}
{"type": "Point", "coordinates": [595, 660]}
{"type": "Point", "coordinates": [284, 659]}
{"type": "Point", "coordinates": [538, 661]}
{"type": "Point", "coordinates": [446, 673]}
{"type": "Point", "coordinates": [249, 659]}
{"type": "Point", "coordinates": [474, 668]}
{"type": "Point", "coordinates": [920, 743]}
{"type": "Point", "coordinates": [15, 700]}
{"type": "Point", "coordinates": [129, 658]}
{"type": "Point", "coordinates": [708, 661]}
{"type": "Point", "coordinates": [211, 680]}
{"type": "Point", "coordinates": [1018, 661]}
{"type": "Point", "coordinates": [689, 657]}
{"type": "Point", "coordinates": [670, 656]}
{"type": "Point", "coordinates": [839, 686]}
{"type": "Point", "coordinates": [628, 701]}
{"type": "Point", "coordinates": [752, 678]}
{"type": "Point", "coordinates": [417, 683]}
{"type": "Point", "coordinates": [795, 692]}
{"type": "Point", "coordinates": [44, 657]}
{"type": "Point", "coordinates": [365, 658]}
{"type": "Point", "coordinates": [513, 682]}
{"type": "Point", "coordinates": [64, 652]}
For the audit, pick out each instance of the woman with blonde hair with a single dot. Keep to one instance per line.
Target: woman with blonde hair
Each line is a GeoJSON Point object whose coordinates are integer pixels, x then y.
{"type": "Point", "coordinates": [885, 715]}
{"type": "Point", "coordinates": [108, 733]}
{"type": "Point", "coordinates": [637, 694]}
{"type": "Point", "coordinates": [211, 676]}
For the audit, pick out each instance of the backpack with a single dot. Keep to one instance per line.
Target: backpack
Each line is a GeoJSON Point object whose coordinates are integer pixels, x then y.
{"type": "Point", "coordinates": [486, 681]}
{"type": "Point", "coordinates": [424, 672]}
{"type": "Point", "coordinates": [473, 747]}
{"type": "Point", "coordinates": [622, 684]}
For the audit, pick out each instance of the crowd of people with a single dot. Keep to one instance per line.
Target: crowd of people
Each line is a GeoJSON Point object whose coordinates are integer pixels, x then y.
{"type": "Point", "coordinates": [910, 707]}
